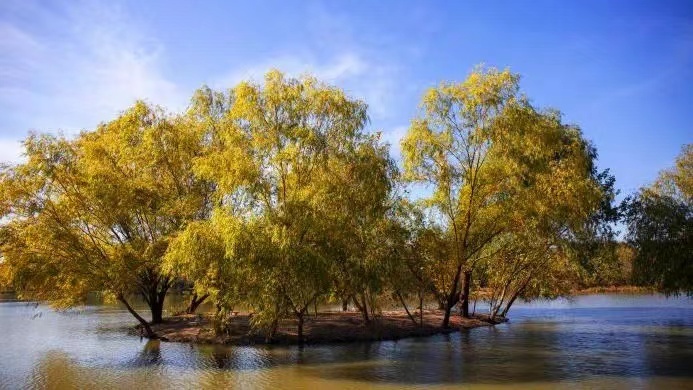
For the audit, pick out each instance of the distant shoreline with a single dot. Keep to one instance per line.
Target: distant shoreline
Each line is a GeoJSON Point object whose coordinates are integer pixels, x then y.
{"type": "Point", "coordinates": [615, 290]}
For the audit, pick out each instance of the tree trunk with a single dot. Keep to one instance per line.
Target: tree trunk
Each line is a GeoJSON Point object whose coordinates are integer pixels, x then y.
{"type": "Point", "coordinates": [157, 309]}
{"type": "Point", "coordinates": [195, 302]}
{"type": "Point", "coordinates": [421, 309]}
{"type": "Point", "coordinates": [356, 303]}
{"type": "Point", "coordinates": [401, 299]}
{"type": "Point", "coordinates": [452, 298]}
{"type": "Point", "coordinates": [514, 297]}
{"type": "Point", "coordinates": [363, 308]}
{"type": "Point", "coordinates": [494, 311]}
{"type": "Point", "coordinates": [149, 333]}
{"type": "Point", "coordinates": [272, 330]}
{"type": "Point", "coordinates": [345, 304]}
{"type": "Point", "coordinates": [507, 307]}
{"type": "Point", "coordinates": [153, 288]}
{"type": "Point", "coordinates": [498, 302]}
{"type": "Point", "coordinates": [300, 327]}
{"type": "Point", "coordinates": [446, 318]}
{"type": "Point", "coordinates": [465, 293]}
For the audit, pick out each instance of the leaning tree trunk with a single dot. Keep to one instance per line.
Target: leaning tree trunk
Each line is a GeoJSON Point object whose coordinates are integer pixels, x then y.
{"type": "Point", "coordinates": [154, 287]}
{"type": "Point", "coordinates": [149, 333]}
{"type": "Point", "coordinates": [465, 293]}
{"type": "Point", "coordinates": [195, 302]}
{"type": "Point", "coordinates": [507, 306]}
{"type": "Point", "coordinates": [363, 308]}
{"type": "Point", "coordinates": [452, 298]}
{"type": "Point", "coordinates": [514, 297]}
{"type": "Point", "coordinates": [404, 303]}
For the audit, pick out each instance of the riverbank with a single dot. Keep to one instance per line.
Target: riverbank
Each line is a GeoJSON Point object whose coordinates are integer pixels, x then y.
{"type": "Point", "coordinates": [615, 290]}
{"type": "Point", "coordinates": [327, 327]}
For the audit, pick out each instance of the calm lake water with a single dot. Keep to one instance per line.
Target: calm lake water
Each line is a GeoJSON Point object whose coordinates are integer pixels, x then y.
{"type": "Point", "coordinates": [595, 341]}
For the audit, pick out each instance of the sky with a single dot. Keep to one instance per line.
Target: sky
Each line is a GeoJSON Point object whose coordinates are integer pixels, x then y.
{"type": "Point", "coordinates": [621, 70]}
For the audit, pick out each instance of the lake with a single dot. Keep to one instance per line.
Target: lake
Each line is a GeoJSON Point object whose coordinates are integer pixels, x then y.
{"type": "Point", "coordinates": [592, 341]}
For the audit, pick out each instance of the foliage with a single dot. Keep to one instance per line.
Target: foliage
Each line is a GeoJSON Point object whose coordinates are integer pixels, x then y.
{"type": "Point", "coordinates": [273, 197]}
{"type": "Point", "coordinates": [96, 213]}
{"type": "Point", "coordinates": [495, 165]}
{"type": "Point", "coordinates": [300, 195]}
{"type": "Point", "coordinates": [660, 228]}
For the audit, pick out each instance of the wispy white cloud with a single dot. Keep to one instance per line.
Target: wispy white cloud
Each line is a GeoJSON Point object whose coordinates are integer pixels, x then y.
{"type": "Point", "coordinates": [10, 151]}
{"type": "Point", "coordinates": [71, 67]}
{"type": "Point", "coordinates": [361, 77]}
{"type": "Point", "coordinates": [334, 53]}
{"type": "Point", "coordinates": [335, 70]}
{"type": "Point", "coordinates": [68, 66]}
{"type": "Point", "coordinates": [394, 137]}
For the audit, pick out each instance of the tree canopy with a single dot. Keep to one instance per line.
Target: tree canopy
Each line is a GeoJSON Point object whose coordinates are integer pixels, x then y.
{"type": "Point", "coordinates": [660, 228]}
{"type": "Point", "coordinates": [499, 169]}
{"type": "Point", "coordinates": [95, 214]}
{"type": "Point", "coordinates": [275, 197]}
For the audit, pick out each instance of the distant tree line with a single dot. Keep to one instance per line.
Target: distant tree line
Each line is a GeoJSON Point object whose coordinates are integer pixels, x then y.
{"type": "Point", "coordinates": [274, 197]}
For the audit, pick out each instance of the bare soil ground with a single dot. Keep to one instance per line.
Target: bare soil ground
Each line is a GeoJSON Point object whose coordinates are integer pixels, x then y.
{"type": "Point", "coordinates": [326, 327]}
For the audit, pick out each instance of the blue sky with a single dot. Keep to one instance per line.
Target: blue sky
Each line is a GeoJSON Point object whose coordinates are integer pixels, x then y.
{"type": "Point", "coordinates": [622, 70]}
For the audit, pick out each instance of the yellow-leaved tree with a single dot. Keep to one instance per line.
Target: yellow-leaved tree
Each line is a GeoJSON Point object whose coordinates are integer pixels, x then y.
{"type": "Point", "coordinates": [95, 213]}
{"type": "Point", "coordinates": [291, 167]}
{"type": "Point", "coordinates": [483, 151]}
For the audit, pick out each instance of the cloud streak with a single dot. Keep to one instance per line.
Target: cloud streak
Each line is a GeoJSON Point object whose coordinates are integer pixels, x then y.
{"type": "Point", "coordinates": [361, 77]}
{"type": "Point", "coordinates": [71, 67]}
{"type": "Point", "coordinates": [67, 67]}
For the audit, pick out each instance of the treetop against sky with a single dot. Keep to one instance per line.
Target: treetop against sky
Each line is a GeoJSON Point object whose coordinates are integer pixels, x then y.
{"type": "Point", "coordinates": [621, 70]}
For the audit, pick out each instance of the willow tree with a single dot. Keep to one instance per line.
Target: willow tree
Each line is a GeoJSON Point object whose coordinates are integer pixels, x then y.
{"type": "Point", "coordinates": [660, 228]}
{"type": "Point", "coordinates": [532, 259]}
{"type": "Point", "coordinates": [95, 214]}
{"type": "Point", "coordinates": [271, 152]}
{"type": "Point", "coordinates": [594, 246]}
{"type": "Point", "coordinates": [455, 149]}
{"type": "Point", "coordinates": [487, 156]}
{"type": "Point", "coordinates": [357, 198]}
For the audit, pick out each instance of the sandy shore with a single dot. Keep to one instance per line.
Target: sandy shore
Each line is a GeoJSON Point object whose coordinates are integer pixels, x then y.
{"type": "Point", "coordinates": [329, 327]}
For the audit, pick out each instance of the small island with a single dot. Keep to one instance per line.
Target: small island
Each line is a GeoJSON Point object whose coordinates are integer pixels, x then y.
{"type": "Point", "coordinates": [323, 328]}
{"type": "Point", "coordinates": [277, 197]}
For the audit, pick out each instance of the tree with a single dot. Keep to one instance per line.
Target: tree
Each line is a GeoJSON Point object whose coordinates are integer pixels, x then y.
{"type": "Point", "coordinates": [95, 214]}
{"type": "Point", "coordinates": [594, 246]}
{"type": "Point", "coordinates": [414, 268]}
{"type": "Point", "coordinates": [450, 148]}
{"type": "Point", "coordinates": [660, 228]}
{"type": "Point", "coordinates": [271, 158]}
{"type": "Point", "coordinates": [358, 201]}
{"type": "Point", "coordinates": [555, 203]}
{"type": "Point", "coordinates": [495, 164]}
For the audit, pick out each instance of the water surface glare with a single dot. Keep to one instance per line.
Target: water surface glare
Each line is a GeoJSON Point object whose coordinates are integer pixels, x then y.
{"type": "Point", "coordinates": [595, 341]}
